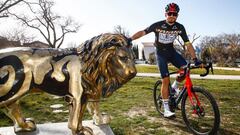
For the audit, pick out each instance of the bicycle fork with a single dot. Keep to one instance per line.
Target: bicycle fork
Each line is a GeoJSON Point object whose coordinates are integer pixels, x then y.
{"type": "Point", "coordinates": [197, 109]}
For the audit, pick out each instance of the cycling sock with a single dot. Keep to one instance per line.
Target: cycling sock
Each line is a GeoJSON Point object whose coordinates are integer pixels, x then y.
{"type": "Point", "coordinates": [165, 105]}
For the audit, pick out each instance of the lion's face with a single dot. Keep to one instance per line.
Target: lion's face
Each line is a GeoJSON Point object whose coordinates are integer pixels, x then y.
{"type": "Point", "coordinates": [122, 65]}
{"type": "Point", "coordinates": [119, 64]}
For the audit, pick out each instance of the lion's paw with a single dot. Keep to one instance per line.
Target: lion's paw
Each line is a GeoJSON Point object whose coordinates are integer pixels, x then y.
{"type": "Point", "coordinates": [28, 126]}
{"type": "Point", "coordinates": [97, 119]}
{"type": "Point", "coordinates": [101, 119]}
{"type": "Point", "coordinates": [85, 131]}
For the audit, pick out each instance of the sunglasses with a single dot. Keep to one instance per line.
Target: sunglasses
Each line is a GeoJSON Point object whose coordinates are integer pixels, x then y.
{"type": "Point", "coordinates": [172, 14]}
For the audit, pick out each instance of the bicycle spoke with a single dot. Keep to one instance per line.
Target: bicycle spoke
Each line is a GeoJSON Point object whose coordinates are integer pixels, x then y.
{"type": "Point", "coordinates": [199, 109]}
{"type": "Point", "coordinates": [200, 119]}
{"type": "Point", "coordinates": [202, 123]}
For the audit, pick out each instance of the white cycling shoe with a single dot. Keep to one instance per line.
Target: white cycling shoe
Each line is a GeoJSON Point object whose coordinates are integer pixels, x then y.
{"type": "Point", "coordinates": [168, 114]}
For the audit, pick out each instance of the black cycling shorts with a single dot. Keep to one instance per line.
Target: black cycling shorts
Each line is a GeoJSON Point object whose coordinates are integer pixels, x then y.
{"type": "Point", "coordinates": [166, 55]}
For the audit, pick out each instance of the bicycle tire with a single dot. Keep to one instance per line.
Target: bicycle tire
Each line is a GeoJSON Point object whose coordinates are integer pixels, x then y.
{"type": "Point", "coordinates": [157, 96]}
{"type": "Point", "coordinates": [216, 122]}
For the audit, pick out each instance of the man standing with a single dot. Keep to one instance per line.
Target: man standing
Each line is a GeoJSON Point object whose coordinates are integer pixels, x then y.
{"type": "Point", "coordinates": [166, 31]}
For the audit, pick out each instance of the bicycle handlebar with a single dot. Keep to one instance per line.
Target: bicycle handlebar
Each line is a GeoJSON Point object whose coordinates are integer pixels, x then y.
{"type": "Point", "coordinates": [207, 66]}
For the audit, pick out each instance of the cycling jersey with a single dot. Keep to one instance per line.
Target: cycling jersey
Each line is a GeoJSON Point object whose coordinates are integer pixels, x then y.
{"type": "Point", "coordinates": [165, 34]}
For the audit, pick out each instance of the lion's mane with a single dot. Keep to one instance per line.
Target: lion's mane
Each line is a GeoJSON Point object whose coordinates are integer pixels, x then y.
{"type": "Point", "coordinates": [94, 53]}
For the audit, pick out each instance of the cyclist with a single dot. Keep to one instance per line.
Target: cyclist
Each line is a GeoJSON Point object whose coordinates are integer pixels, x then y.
{"type": "Point", "coordinates": [166, 32]}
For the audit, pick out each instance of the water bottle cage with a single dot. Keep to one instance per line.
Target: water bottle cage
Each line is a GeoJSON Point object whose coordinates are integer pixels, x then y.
{"type": "Point", "coordinates": [172, 93]}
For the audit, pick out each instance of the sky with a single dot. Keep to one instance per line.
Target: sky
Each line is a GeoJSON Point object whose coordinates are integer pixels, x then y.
{"type": "Point", "coordinates": [202, 17]}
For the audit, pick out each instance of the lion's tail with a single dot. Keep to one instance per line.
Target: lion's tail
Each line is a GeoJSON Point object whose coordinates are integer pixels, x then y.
{"type": "Point", "coordinates": [11, 76]}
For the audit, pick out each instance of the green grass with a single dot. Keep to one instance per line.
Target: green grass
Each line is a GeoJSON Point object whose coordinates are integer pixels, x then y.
{"type": "Point", "coordinates": [154, 69]}
{"type": "Point", "coordinates": [136, 96]}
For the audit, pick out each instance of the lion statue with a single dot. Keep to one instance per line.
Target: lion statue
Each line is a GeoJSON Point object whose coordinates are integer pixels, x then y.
{"type": "Point", "coordinates": [95, 69]}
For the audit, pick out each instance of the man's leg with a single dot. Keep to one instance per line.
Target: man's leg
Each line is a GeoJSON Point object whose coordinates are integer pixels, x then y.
{"type": "Point", "coordinates": [163, 67]}
{"type": "Point", "coordinates": [165, 96]}
{"type": "Point", "coordinates": [178, 61]}
{"type": "Point", "coordinates": [164, 88]}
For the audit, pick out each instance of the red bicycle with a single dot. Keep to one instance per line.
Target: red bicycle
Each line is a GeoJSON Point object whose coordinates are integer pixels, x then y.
{"type": "Point", "coordinates": [199, 108]}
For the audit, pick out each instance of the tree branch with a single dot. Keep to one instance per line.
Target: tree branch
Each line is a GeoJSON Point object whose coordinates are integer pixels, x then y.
{"type": "Point", "coordinates": [6, 5]}
{"type": "Point", "coordinates": [47, 23]}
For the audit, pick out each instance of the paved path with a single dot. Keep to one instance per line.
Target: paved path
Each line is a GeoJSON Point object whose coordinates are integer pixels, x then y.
{"type": "Point", "coordinates": [196, 76]}
{"type": "Point", "coordinates": [59, 129]}
{"type": "Point", "coordinates": [227, 68]}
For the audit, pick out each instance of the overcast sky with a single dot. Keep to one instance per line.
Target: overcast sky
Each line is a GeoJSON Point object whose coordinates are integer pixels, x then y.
{"type": "Point", "coordinates": [203, 17]}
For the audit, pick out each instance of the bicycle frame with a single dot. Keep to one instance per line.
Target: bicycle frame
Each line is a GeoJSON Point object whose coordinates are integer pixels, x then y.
{"type": "Point", "coordinates": [195, 107]}
{"type": "Point", "coordinates": [188, 85]}
{"type": "Point", "coordinates": [187, 88]}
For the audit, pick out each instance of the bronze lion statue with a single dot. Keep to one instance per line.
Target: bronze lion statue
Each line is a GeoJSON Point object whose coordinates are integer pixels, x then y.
{"type": "Point", "coordinates": [95, 69]}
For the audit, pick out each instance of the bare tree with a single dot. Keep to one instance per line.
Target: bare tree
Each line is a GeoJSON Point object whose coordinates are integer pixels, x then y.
{"type": "Point", "coordinates": [233, 40]}
{"type": "Point", "coordinates": [19, 35]}
{"type": "Point", "coordinates": [135, 51]}
{"type": "Point", "coordinates": [181, 47]}
{"type": "Point", "coordinates": [120, 30]}
{"type": "Point", "coordinates": [223, 49]}
{"type": "Point", "coordinates": [51, 26]}
{"type": "Point", "coordinates": [5, 5]}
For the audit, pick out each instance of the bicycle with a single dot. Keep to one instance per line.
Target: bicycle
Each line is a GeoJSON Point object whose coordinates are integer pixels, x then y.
{"type": "Point", "coordinates": [198, 107]}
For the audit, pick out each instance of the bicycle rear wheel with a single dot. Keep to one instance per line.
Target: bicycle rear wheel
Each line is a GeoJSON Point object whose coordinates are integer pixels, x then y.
{"type": "Point", "coordinates": [157, 97]}
{"type": "Point", "coordinates": [203, 119]}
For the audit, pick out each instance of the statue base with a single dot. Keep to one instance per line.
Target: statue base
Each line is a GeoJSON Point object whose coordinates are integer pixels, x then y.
{"type": "Point", "coordinates": [59, 129]}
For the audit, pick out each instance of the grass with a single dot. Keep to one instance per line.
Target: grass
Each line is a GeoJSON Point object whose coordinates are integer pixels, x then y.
{"type": "Point", "coordinates": [133, 112]}
{"type": "Point", "coordinates": [154, 69]}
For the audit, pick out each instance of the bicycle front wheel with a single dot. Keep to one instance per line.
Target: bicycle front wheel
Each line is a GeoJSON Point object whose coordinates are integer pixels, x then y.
{"type": "Point", "coordinates": [203, 117]}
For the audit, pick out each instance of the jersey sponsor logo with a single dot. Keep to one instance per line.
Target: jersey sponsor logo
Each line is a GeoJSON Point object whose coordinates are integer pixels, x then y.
{"type": "Point", "coordinates": [174, 27]}
{"type": "Point", "coordinates": [164, 26]}
{"type": "Point", "coordinates": [166, 38]}
{"type": "Point", "coordinates": [169, 32]}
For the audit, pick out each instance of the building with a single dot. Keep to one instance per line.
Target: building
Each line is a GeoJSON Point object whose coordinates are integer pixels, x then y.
{"type": "Point", "coordinates": [36, 44]}
{"type": "Point", "coordinates": [148, 48]}
{"type": "Point", "coordinates": [5, 43]}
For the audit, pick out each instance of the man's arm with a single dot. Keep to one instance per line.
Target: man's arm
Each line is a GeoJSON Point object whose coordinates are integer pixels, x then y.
{"type": "Point", "coordinates": [192, 53]}
{"type": "Point", "coordinates": [191, 50]}
{"type": "Point", "coordinates": [138, 34]}
{"type": "Point", "coordinates": [187, 42]}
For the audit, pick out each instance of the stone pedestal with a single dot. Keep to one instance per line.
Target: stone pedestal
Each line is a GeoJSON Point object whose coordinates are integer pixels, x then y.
{"type": "Point", "coordinates": [59, 129]}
